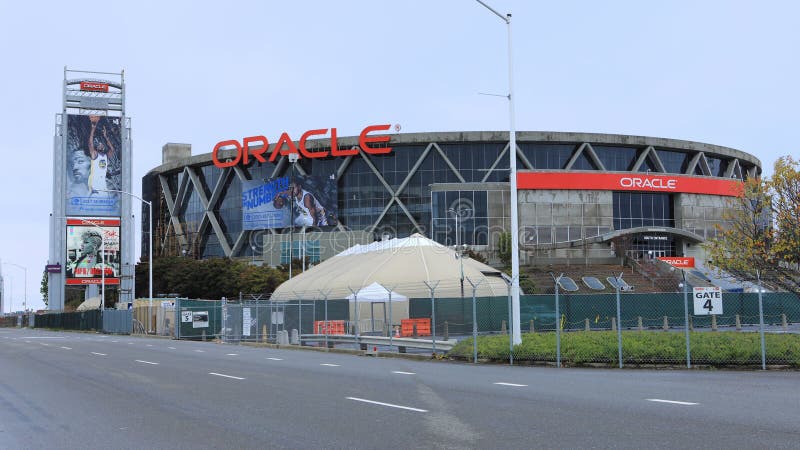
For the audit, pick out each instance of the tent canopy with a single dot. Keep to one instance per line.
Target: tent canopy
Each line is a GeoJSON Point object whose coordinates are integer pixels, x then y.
{"type": "Point", "coordinates": [376, 293]}
{"type": "Point", "coordinates": [409, 266]}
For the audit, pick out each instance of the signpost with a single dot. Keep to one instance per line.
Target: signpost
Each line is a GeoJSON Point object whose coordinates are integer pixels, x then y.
{"type": "Point", "coordinates": [707, 301]}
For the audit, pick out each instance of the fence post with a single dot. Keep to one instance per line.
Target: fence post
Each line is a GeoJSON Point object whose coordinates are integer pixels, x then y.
{"type": "Point", "coordinates": [503, 327]}
{"type": "Point", "coordinates": [510, 322]}
{"type": "Point", "coordinates": [639, 323]}
{"type": "Point", "coordinates": [325, 299]}
{"type": "Point", "coordinates": [686, 320]}
{"type": "Point", "coordinates": [619, 325]}
{"type": "Point", "coordinates": [474, 320]}
{"type": "Point", "coordinates": [738, 323]}
{"type": "Point", "coordinates": [355, 303]}
{"type": "Point", "coordinates": [613, 324]}
{"type": "Point", "coordinates": [761, 322]}
{"type": "Point", "coordinates": [784, 325]}
{"type": "Point", "coordinates": [391, 322]}
{"type": "Point", "coordinates": [533, 329]}
{"type": "Point", "coordinates": [665, 327]}
{"type": "Point", "coordinates": [433, 314]}
{"type": "Point", "coordinates": [558, 318]}
{"type": "Point", "coordinates": [713, 322]}
{"type": "Point", "coordinates": [586, 326]}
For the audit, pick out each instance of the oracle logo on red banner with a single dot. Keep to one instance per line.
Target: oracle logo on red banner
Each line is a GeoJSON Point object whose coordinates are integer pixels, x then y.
{"type": "Point", "coordinates": [93, 86]}
{"type": "Point", "coordinates": [253, 148]}
{"type": "Point", "coordinates": [589, 181]}
{"type": "Point", "coordinates": [680, 262]}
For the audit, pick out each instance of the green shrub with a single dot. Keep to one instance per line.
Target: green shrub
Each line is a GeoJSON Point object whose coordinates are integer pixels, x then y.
{"type": "Point", "coordinates": [639, 347]}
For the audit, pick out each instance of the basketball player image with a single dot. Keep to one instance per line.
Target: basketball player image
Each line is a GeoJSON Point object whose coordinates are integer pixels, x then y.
{"type": "Point", "coordinates": [101, 153]}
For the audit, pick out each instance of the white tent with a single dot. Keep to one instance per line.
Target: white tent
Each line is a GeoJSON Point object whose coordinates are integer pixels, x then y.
{"type": "Point", "coordinates": [376, 293]}
{"type": "Point", "coordinates": [408, 266]}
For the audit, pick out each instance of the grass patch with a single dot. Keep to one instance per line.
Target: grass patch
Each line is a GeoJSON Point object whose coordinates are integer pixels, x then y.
{"type": "Point", "coordinates": [639, 347]}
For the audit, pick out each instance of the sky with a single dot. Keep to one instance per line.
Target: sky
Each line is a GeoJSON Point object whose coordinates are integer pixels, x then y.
{"type": "Point", "coordinates": [720, 72]}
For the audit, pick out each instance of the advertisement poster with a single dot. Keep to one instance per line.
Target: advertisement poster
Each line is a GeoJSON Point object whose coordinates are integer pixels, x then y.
{"type": "Point", "coordinates": [93, 165]}
{"type": "Point", "coordinates": [92, 250]}
{"type": "Point", "coordinates": [282, 202]}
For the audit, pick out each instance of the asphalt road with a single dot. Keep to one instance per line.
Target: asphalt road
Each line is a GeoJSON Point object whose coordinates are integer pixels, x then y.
{"type": "Point", "coordinates": [75, 390]}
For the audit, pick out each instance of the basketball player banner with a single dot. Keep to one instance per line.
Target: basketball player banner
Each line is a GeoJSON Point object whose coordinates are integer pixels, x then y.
{"type": "Point", "coordinates": [92, 247]}
{"type": "Point", "coordinates": [302, 201]}
{"type": "Point", "coordinates": [93, 166]}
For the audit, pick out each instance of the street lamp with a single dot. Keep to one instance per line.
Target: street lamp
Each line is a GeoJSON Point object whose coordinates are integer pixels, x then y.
{"type": "Point", "coordinates": [516, 337]}
{"type": "Point", "coordinates": [459, 255]}
{"type": "Point", "coordinates": [25, 298]}
{"type": "Point", "coordinates": [149, 254]}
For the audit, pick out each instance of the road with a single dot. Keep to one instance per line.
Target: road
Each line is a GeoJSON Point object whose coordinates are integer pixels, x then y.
{"type": "Point", "coordinates": [78, 390]}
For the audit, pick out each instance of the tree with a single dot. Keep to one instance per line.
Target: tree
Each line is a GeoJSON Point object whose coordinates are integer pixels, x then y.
{"type": "Point", "coordinates": [785, 190]}
{"type": "Point", "coordinates": [504, 248]}
{"type": "Point", "coordinates": [745, 244]}
{"type": "Point", "coordinates": [43, 287]}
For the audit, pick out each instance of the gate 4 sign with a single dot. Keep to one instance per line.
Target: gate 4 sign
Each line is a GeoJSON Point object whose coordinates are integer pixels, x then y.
{"type": "Point", "coordinates": [707, 300]}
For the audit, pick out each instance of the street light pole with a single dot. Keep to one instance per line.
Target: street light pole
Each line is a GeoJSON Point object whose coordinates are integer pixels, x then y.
{"type": "Point", "coordinates": [516, 337]}
{"type": "Point", "coordinates": [149, 254]}
{"type": "Point", "coordinates": [25, 297]}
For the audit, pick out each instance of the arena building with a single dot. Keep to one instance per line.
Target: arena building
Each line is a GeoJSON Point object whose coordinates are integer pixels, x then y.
{"type": "Point", "coordinates": [582, 197]}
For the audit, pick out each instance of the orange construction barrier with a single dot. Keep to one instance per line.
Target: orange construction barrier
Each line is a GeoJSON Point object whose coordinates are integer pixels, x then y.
{"type": "Point", "coordinates": [423, 327]}
{"type": "Point", "coordinates": [331, 327]}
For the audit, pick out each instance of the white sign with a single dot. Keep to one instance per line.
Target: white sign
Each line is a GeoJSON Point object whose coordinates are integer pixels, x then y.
{"type": "Point", "coordinates": [186, 316]}
{"type": "Point", "coordinates": [246, 321]}
{"type": "Point", "coordinates": [707, 301]}
{"type": "Point", "coordinates": [200, 319]}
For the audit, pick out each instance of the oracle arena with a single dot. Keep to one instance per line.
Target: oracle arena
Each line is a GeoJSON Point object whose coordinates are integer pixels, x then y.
{"type": "Point", "coordinates": [581, 197]}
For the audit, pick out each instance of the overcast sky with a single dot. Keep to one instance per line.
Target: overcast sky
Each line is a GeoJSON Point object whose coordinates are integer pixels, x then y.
{"type": "Point", "coordinates": [718, 72]}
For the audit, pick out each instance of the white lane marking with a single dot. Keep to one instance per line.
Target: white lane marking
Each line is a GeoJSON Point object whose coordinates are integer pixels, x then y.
{"type": "Point", "coordinates": [171, 348]}
{"type": "Point", "coordinates": [114, 341]}
{"type": "Point", "coordinates": [510, 384]}
{"type": "Point", "coordinates": [130, 343]}
{"type": "Point", "coordinates": [674, 402]}
{"type": "Point", "coordinates": [329, 365]}
{"type": "Point", "coordinates": [200, 351]}
{"type": "Point", "coordinates": [146, 362]}
{"type": "Point", "coordinates": [275, 359]}
{"type": "Point", "coordinates": [67, 348]}
{"type": "Point", "coordinates": [42, 343]}
{"type": "Point", "coordinates": [149, 345]}
{"type": "Point", "coordinates": [400, 372]}
{"type": "Point", "coordinates": [408, 408]}
{"type": "Point", "coordinates": [232, 354]}
{"type": "Point", "coordinates": [226, 376]}
{"type": "Point", "coordinates": [99, 354]}
{"type": "Point", "coordinates": [27, 342]}
{"type": "Point", "coordinates": [45, 337]}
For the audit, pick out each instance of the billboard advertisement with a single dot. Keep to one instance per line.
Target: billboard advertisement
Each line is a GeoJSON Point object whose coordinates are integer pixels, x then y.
{"type": "Point", "coordinates": [629, 182]}
{"type": "Point", "coordinates": [300, 201]}
{"type": "Point", "coordinates": [93, 247]}
{"type": "Point", "coordinates": [93, 165]}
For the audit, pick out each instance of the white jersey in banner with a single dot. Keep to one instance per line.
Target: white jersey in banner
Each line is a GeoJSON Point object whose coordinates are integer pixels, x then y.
{"type": "Point", "coordinates": [283, 202]}
{"type": "Point", "coordinates": [93, 165]}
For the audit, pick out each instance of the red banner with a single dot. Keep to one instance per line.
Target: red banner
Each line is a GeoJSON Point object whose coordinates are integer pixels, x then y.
{"type": "Point", "coordinates": [94, 86]}
{"type": "Point", "coordinates": [85, 281]}
{"type": "Point", "coordinates": [89, 222]}
{"type": "Point", "coordinates": [589, 181]}
{"type": "Point", "coordinates": [681, 262]}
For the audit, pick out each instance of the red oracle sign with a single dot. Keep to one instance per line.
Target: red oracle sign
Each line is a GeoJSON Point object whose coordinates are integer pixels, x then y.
{"type": "Point", "coordinates": [681, 262]}
{"type": "Point", "coordinates": [253, 148]}
{"type": "Point", "coordinates": [628, 182]}
{"type": "Point", "coordinates": [93, 86]}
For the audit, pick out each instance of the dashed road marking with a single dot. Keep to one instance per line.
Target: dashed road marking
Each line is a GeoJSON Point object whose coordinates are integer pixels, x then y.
{"type": "Point", "coordinates": [400, 372]}
{"type": "Point", "coordinates": [67, 348]}
{"type": "Point", "coordinates": [171, 348]}
{"type": "Point", "coordinates": [510, 384]}
{"type": "Point", "coordinates": [226, 376]}
{"type": "Point", "coordinates": [200, 351]}
{"type": "Point", "coordinates": [329, 365]}
{"type": "Point", "coordinates": [674, 402]}
{"type": "Point", "coordinates": [391, 405]}
{"type": "Point", "coordinates": [275, 359]}
{"type": "Point", "coordinates": [232, 354]}
{"type": "Point", "coordinates": [99, 354]}
{"type": "Point", "coordinates": [149, 345]}
{"type": "Point", "coordinates": [147, 362]}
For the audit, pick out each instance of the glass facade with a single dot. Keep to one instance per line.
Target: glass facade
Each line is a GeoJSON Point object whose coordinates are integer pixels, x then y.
{"type": "Point", "coordinates": [391, 194]}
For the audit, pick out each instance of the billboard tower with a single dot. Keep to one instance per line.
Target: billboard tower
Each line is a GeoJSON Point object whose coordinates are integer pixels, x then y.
{"type": "Point", "coordinates": [91, 229]}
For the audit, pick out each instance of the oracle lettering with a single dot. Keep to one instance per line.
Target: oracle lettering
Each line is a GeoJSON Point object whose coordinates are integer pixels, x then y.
{"type": "Point", "coordinates": [648, 183]}
{"type": "Point", "coordinates": [255, 146]}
